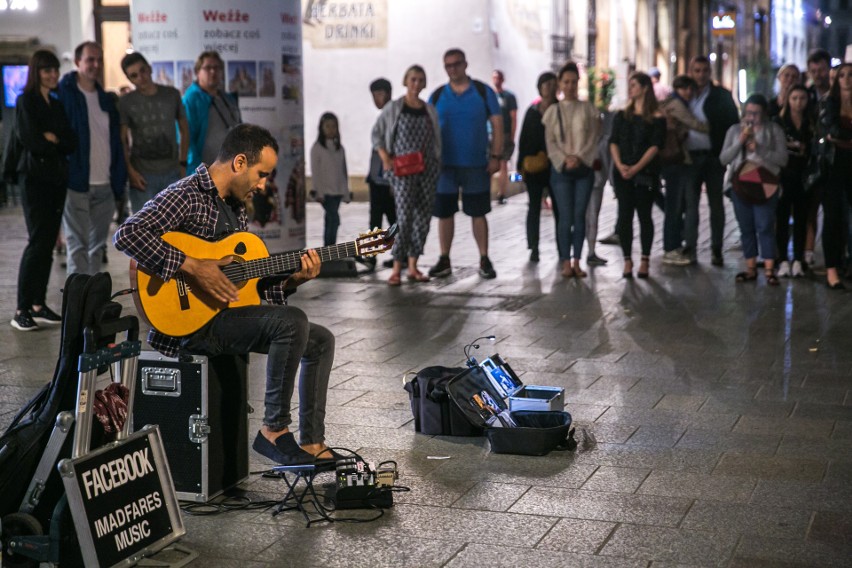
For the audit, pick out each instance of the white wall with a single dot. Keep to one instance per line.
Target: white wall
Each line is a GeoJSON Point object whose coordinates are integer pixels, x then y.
{"type": "Point", "coordinates": [49, 23]}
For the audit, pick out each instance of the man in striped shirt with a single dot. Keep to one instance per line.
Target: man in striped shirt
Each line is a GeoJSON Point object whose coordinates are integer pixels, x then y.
{"type": "Point", "coordinates": [210, 204]}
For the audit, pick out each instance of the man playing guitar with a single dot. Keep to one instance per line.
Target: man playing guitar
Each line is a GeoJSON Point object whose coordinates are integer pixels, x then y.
{"type": "Point", "coordinates": [209, 204]}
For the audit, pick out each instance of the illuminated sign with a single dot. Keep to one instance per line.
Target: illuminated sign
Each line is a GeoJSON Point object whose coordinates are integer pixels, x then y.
{"type": "Point", "coordinates": [19, 5]}
{"type": "Point", "coordinates": [724, 24]}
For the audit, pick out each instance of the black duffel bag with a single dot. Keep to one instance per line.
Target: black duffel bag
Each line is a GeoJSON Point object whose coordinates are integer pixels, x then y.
{"type": "Point", "coordinates": [434, 412]}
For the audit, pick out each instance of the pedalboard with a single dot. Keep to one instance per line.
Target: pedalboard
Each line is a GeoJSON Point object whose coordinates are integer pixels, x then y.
{"type": "Point", "coordinates": [361, 485]}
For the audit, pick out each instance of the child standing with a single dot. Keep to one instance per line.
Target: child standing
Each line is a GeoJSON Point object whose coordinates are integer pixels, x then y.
{"type": "Point", "coordinates": [330, 177]}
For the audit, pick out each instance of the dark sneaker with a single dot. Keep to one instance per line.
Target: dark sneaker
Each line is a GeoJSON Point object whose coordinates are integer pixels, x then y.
{"type": "Point", "coordinates": [716, 258]}
{"type": "Point", "coordinates": [388, 263]}
{"type": "Point", "coordinates": [593, 259]}
{"type": "Point", "coordinates": [23, 322]}
{"type": "Point", "coordinates": [284, 451]}
{"type": "Point", "coordinates": [485, 268]}
{"type": "Point", "coordinates": [46, 316]}
{"type": "Point", "coordinates": [610, 240]}
{"type": "Point", "coordinates": [368, 261]}
{"type": "Point", "coordinates": [442, 269]}
{"type": "Point", "coordinates": [534, 255]}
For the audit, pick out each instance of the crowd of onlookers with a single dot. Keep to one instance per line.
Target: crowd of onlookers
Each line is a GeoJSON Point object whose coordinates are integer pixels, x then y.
{"type": "Point", "coordinates": [779, 158]}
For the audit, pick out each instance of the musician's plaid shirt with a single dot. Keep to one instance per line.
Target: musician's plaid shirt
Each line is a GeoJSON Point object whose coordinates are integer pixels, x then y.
{"type": "Point", "coordinates": [188, 205]}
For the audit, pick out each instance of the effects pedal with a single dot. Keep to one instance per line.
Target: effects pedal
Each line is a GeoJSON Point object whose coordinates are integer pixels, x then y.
{"type": "Point", "coordinates": [359, 486]}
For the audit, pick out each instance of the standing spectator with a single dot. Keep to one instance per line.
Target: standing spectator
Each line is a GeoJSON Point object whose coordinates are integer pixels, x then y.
{"type": "Point", "coordinates": [465, 107]}
{"type": "Point", "coordinates": [46, 137]}
{"type": "Point", "coordinates": [676, 167]}
{"type": "Point", "coordinates": [819, 73]}
{"type": "Point", "coordinates": [787, 76]}
{"type": "Point", "coordinates": [715, 106]}
{"type": "Point", "coordinates": [661, 91]}
{"type": "Point", "coordinates": [329, 174]}
{"type": "Point", "coordinates": [97, 172]}
{"type": "Point", "coordinates": [834, 130]}
{"type": "Point", "coordinates": [532, 158]}
{"type": "Point", "coordinates": [381, 198]}
{"type": "Point", "coordinates": [796, 122]}
{"type": "Point", "coordinates": [638, 133]}
{"type": "Point", "coordinates": [509, 112]}
{"type": "Point", "coordinates": [762, 143]}
{"type": "Point", "coordinates": [148, 116]}
{"type": "Point", "coordinates": [603, 171]}
{"type": "Point", "coordinates": [572, 128]}
{"type": "Point", "coordinates": [210, 111]}
{"type": "Point", "coordinates": [409, 125]}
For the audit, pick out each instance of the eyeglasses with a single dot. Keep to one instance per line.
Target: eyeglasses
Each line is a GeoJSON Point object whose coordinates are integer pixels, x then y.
{"type": "Point", "coordinates": [454, 64]}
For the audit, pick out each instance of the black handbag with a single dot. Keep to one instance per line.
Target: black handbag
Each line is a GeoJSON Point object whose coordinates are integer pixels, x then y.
{"type": "Point", "coordinates": [434, 412]}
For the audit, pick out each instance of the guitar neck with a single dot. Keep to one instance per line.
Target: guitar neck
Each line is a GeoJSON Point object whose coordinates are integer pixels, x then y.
{"type": "Point", "coordinates": [286, 262]}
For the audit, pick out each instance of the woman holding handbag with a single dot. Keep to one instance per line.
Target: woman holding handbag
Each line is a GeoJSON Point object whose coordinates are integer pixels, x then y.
{"type": "Point", "coordinates": [834, 130]}
{"type": "Point", "coordinates": [407, 138]}
{"type": "Point", "coordinates": [638, 134]}
{"type": "Point", "coordinates": [571, 128]}
{"type": "Point", "coordinates": [755, 151]}
{"type": "Point", "coordinates": [532, 158]}
{"type": "Point", "coordinates": [46, 138]}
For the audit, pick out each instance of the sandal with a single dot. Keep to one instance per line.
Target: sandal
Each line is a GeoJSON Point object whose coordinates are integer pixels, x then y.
{"type": "Point", "coordinates": [771, 279]}
{"type": "Point", "coordinates": [628, 269]}
{"type": "Point", "coordinates": [578, 272]}
{"type": "Point", "coordinates": [746, 276]}
{"type": "Point", "coordinates": [394, 280]}
{"type": "Point", "coordinates": [643, 273]}
{"type": "Point", "coordinates": [418, 277]}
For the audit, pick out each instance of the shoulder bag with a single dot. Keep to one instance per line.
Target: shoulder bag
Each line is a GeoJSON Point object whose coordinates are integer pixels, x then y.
{"type": "Point", "coordinates": [753, 183]}
{"type": "Point", "coordinates": [411, 163]}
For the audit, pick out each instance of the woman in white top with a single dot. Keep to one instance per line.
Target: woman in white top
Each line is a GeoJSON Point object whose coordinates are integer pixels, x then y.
{"type": "Point", "coordinates": [329, 175]}
{"type": "Point", "coordinates": [571, 129]}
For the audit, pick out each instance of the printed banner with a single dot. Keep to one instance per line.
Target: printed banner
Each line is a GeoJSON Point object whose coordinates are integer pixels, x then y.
{"type": "Point", "coordinates": [337, 25]}
{"type": "Point", "coordinates": [261, 45]}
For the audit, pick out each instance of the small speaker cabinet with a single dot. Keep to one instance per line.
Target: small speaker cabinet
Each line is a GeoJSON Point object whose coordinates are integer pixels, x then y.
{"type": "Point", "coordinates": [201, 407]}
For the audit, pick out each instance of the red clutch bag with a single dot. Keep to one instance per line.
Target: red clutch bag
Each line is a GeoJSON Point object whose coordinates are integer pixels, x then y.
{"type": "Point", "coordinates": [408, 164]}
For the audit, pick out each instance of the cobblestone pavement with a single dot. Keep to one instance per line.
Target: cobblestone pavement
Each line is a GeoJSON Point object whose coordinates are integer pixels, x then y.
{"type": "Point", "coordinates": [717, 416]}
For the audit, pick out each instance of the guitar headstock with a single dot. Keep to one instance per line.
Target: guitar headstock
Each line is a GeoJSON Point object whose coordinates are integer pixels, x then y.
{"type": "Point", "coordinates": [376, 241]}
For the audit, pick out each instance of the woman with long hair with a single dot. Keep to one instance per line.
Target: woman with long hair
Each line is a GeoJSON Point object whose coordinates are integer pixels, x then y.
{"type": "Point", "coordinates": [788, 76]}
{"type": "Point", "coordinates": [532, 158]}
{"type": "Point", "coordinates": [329, 175]}
{"type": "Point", "coordinates": [756, 141]}
{"type": "Point", "coordinates": [572, 128]}
{"type": "Point", "coordinates": [406, 126]}
{"type": "Point", "coordinates": [47, 139]}
{"type": "Point", "coordinates": [796, 122]}
{"type": "Point", "coordinates": [638, 133]}
{"type": "Point", "coordinates": [834, 129]}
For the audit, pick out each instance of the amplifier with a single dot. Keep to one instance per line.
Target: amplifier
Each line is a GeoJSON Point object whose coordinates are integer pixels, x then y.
{"type": "Point", "coordinates": [201, 407]}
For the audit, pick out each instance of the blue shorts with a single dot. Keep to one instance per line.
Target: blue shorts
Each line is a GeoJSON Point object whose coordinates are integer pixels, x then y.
{"type": "Point", "coordinates": [475, 187]}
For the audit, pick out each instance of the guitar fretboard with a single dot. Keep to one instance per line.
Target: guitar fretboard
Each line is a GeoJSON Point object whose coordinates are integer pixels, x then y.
{"type": "Point", "coordinates": [285, 262]}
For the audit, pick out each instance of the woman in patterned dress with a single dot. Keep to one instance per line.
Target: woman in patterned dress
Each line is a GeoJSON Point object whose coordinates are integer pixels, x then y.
{"type": "Point", "coordinates": [409, 125]}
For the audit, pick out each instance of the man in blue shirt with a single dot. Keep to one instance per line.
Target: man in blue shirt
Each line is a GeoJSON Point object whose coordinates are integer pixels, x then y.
{"type": "Point", "coordinates": [465, 107]}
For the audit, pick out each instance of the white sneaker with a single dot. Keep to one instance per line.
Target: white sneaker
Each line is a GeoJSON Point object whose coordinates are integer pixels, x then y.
{"type": "Point", "coordinates": [783, 269]}
{"type": "Point", "coordinates": [675, 258]}
{"type": "Point", "coordinates": [797, 271]}
{"type": "Point", "coordinates": [809, 257]}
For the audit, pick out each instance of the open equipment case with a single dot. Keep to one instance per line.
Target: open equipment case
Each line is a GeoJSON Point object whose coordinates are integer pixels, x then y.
{"type": "Point", "coordinates": [541, 425]}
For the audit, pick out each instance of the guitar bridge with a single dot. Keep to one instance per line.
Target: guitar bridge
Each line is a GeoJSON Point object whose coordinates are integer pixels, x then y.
{"type": "Point", "coordinates": [183, 292]}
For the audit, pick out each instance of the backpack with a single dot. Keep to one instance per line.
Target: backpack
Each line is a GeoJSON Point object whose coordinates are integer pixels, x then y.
{"type": "Point", "coordinates": [480, 88]}
{"type": "Point", "coordinates": [434, 412]}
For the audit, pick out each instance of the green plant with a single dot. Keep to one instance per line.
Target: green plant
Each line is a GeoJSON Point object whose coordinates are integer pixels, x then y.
{"type": "Point", "coordinates": [601, 87]}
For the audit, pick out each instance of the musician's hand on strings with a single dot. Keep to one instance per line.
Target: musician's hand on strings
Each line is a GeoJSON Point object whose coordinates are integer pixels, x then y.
{"type": "Point", "coordinates": [208, 274]}
{"type": "Point", "coordinates": [310, 268]}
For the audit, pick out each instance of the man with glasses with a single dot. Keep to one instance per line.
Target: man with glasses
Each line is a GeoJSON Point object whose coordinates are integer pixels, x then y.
{"type": "Point", "coordinates": [465, 108]}
{"type": "Point", "coordinates": [148, 117]}
{"type": "Point", "coordinates": [210, 111]}
{"type": "Point", "coordinates": [96, 170]}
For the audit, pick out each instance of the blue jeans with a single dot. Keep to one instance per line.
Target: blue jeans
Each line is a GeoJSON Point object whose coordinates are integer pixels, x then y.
{"type": "Point", "coordinates": [757, 226]}
{"type": "Point", "coordinates": [86, 221]}
{"type": "Point", "coordinates": [288, 338]}
{"type": "Point", "coordinates": [676, 177]}
{"type": "Point", "coordinates": [154, 184]}
{"type": "Point", "coordinates": [571, 195]}
{"type": "Point", "coordinates": [331, 205]}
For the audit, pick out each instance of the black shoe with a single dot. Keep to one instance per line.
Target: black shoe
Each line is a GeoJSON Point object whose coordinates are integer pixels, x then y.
{"type": "Point", "coordinates": [534, 255]}
{"type": "Point", "coordinates": [388, 263]}
{"type": "Point", "coordinates": [284, 451]}
{"type": "Point", "coordinates": [368, 261]}
{"type": "Point", "coordinates": [23, 322]}
{"type": "Point", "coordinates": [501, 200]}
{"type": "Point", "coordinates": [46, 316]}
{"type": "Point", "coordinates": [836, 286]}
{"type": "Point", "coordinates": [485, 268]}
{"type": "Point", "coordinates": [595, 259]}
{"type": "Point", "coordinates": [441, 269]}
{"type": "Point", "coordinates": [716, 258]}
{"type": "Point", "coordinates": [610, 240]}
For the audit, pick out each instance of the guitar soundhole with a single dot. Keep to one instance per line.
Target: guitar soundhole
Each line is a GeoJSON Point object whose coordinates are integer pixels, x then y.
{"type": "Point", "coordinates": [240, 248]}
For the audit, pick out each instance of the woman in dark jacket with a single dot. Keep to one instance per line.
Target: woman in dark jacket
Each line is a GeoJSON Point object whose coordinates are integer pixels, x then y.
{"type": "Point", "coordinates": [47, 139]}
{"type": "Point", "coordinates": [638, 133]}
{"type": "Point", "coordinates": [532, 144]}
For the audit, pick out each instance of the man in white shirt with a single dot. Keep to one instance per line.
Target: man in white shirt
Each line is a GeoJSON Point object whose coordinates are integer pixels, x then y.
{"type": "Point", "coordinates": [96, 170]}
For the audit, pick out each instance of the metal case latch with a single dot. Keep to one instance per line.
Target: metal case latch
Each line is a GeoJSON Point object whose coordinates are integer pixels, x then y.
{"type": "Point", "coordinates": [199, 428]}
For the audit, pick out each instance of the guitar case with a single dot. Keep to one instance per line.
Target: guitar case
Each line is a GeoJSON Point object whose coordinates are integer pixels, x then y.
{"type": "Point", "coordinates": [84, 299]}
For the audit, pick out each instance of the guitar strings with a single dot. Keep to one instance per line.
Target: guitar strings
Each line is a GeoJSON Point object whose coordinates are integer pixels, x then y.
{"type": "Point", "coordinates": [283, 262]}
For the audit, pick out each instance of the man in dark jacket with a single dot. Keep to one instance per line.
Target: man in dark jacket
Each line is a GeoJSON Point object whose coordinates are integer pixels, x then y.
{"type": "Point", "coordinates": [714, 105]}
{"type": "Point", "coordinates": [96, 171]}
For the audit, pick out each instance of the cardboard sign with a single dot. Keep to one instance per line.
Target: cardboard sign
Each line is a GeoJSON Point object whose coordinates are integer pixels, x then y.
{"type": "Point", "coordinates": [122, 500]}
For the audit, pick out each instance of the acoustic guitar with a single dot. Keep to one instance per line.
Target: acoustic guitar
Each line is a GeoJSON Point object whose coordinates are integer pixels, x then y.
{"type": "Point", "coordinates": [178, 308]}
